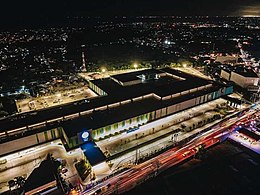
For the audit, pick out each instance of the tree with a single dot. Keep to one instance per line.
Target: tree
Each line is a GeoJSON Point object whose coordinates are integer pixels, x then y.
{"type": "Point", "coordinates": [11, 184]}
{"type": "Point", "coordinates": [83, 167]}
{"type": "Point", "coordinates": [20, 181]}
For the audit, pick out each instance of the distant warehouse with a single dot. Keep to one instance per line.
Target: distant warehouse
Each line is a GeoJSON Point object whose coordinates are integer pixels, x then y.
{"type": "Point", "coordinates": [133, 99]}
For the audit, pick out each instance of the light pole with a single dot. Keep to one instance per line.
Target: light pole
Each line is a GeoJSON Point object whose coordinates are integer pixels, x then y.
{"type": "Point", "coordinates": [241, 102]}
{"type": "Point", "coordinates": [174, 136]}
{"type": "Point", "coordinates": [136, 156]}
{"type": "Point", "coordinates": [103, 70]}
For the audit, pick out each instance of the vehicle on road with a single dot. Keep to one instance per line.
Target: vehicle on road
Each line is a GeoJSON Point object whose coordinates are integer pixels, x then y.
{"type": "Point", "coordinates": [186, 153]}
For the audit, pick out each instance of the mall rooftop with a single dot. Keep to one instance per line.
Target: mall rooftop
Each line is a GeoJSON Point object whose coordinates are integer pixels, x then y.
{"type": "Point", "coordinates": [161, 82]}
{"type": "Point", "coordinates": [159, 89]}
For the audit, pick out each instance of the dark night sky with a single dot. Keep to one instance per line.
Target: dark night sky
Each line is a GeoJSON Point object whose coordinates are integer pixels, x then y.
{"type": "Point", "coordinates": [32, 10]}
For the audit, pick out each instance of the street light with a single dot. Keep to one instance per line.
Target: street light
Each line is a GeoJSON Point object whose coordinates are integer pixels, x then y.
{"type": "Point", "coordinates": [103, 70]}
{"type": "Point", "coordinates": [135, 65]}
{"type": "Point", "coordinates": [184, 65]}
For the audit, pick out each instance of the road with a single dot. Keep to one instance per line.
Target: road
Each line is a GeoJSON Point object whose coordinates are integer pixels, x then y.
{"type": "Point", "coordinates": [245, 140]}
{"type": "Point", "coordinates": [129, 179]}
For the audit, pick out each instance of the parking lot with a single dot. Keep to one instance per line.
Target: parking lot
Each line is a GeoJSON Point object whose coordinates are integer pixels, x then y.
{"type": "Point", "coordinates": [58, 98]}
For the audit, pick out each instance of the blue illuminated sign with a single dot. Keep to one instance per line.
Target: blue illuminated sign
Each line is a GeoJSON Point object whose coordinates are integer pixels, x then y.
{"type": "Point", "coordinates": [85, 136]}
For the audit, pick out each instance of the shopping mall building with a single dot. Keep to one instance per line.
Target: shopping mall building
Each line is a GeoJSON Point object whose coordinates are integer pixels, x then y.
{"type": "Point", "coordinates": [127, 101]}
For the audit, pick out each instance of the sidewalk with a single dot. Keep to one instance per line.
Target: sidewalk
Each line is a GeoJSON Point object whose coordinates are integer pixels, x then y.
{"type": "Point", "coordinates": [157, 145]}
{"type": "Point", "coordinates": [141, 136]}
{"type": "Point", "coordinates": [174, 117]}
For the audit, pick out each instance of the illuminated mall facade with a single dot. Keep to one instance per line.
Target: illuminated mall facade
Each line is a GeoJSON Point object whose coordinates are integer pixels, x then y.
{"type": "Point", "coordinates": [130, 100]}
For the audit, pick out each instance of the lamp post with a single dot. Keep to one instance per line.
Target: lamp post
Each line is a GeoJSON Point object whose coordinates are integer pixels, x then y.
{"type": "Point", "coordinates": [136, 156]}
{"type": "Point", "coordinates": [103, 71]}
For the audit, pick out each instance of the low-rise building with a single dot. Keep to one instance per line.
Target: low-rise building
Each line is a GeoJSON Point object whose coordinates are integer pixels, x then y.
{"type": "Point", "coordinates": [245, 78]}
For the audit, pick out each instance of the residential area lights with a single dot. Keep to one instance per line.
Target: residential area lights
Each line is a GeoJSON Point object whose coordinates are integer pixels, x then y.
{"type": "Point", "coordinates": [167, 42]}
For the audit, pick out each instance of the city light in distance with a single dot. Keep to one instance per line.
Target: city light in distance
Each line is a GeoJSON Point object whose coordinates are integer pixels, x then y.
{"type": "Point", "coordinates": [103, 69]}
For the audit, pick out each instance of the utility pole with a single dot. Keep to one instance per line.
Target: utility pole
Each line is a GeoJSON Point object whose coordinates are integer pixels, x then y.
{"type": "Point", "coordinates": [136, 156]}
{"type": "Point", "coordinates": [175, 137]}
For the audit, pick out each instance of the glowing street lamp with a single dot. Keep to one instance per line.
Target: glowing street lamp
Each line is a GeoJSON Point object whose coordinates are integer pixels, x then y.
{"type": "Point", "coordinates": [103, 70]}
{"type": "Point", "coordinates": [184, 65]}
{"type": "Point", "coordinates": [135, 65]}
